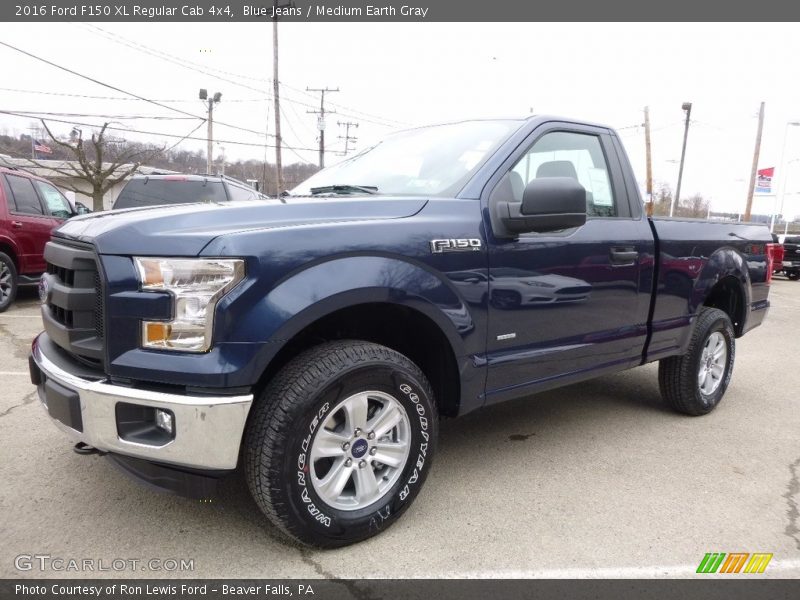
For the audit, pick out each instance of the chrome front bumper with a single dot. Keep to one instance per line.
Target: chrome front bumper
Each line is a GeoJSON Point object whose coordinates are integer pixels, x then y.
{"type": "Point", "coordinates": [208, 429]}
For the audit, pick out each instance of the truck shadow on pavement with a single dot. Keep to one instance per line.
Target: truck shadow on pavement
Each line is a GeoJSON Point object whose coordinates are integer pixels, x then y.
{"type": "Point", "coordinates": [567, 414]}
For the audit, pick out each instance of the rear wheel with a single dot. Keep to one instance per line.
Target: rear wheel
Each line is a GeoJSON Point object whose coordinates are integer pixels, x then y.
{"type": "Point", "coordinates": [695, 382]}
{"type": "Point", "coordinates": [8, 281]}
{"type": "Point", "coordinates": [340, 442]}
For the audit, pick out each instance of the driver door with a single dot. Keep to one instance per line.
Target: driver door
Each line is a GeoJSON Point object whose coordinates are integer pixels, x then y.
{"type": "Point", "coordinates": [567, 305]}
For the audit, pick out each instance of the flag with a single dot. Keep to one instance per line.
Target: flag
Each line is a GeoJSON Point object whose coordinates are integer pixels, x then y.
{"type": "Point", "coordinates": [764, 181]}
{"type": "Point", "coordinates": [40, 146]}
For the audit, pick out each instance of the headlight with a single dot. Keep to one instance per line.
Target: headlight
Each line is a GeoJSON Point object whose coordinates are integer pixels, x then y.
{"type": "Point", "coordinates": [196, 285]}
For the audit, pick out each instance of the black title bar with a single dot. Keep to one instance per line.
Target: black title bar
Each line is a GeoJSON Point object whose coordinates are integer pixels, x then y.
{"type": "Point", "coordinates": [395, 11]}
{"type": "Point", "coordinates": [709, 588]}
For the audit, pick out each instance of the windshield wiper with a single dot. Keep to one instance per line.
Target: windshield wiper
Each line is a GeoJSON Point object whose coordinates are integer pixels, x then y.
{"type": "Point", "coordinates": [344, 189]}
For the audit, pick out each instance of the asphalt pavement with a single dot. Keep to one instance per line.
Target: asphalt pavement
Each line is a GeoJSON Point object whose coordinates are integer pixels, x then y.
{"type": "Point", "coordinates": [598, 479]}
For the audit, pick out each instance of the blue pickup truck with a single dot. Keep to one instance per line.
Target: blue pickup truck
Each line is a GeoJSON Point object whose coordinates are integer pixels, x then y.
{"type": "Point", "coordinates": [316, 339]}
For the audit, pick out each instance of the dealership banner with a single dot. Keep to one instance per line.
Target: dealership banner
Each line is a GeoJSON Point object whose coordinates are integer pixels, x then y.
{"type": "Point", "coordinates": [764, 181]}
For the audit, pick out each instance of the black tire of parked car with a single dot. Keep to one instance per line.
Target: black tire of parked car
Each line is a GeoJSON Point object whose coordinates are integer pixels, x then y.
{"type": "Point", "coordinates": [678, 375]}
{"type": "Point", "coordinates": [8, 281]}
{"type": "Point", "coordinates": [291, 411]}
{"type": "Point", "coordinates": [793, 275]}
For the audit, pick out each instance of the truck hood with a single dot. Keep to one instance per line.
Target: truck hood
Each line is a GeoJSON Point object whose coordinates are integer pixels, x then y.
{"type": "Point", "coordinates": [184, 230]}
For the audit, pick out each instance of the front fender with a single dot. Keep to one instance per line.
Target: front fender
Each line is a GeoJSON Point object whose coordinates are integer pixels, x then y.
{"type": "Point", "coordinates": [344, 282]}
{"type": "Point", "coordinates": [306, 296]}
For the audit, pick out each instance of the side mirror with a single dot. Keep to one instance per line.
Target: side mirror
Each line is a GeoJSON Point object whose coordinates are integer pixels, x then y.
{"type": "Point", "coordinates": [82, 209]}
{"type": "Point", "coordinates": [548, 204]}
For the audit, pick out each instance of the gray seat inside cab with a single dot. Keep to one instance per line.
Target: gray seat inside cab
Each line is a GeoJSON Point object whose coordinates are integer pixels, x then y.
{"type": "Point", "coordinates": [564, 168]}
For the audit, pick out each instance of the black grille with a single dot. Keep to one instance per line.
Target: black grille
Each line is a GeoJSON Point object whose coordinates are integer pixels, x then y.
{"type": "Point", "coordinates": [99, 315]}
{"type": "Point", "coordinates": [73, 311]}
{"type": "Point", "coordinates": [65, 275]}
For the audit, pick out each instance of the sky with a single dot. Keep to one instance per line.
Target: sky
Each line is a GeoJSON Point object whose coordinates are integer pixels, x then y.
{"type": "Point", "coordinates": [397, 75]}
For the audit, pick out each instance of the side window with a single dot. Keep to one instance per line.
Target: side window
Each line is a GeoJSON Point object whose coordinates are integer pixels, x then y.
{"type": "Point", "coordinates": [57, 204]}
{"type": "Point", "coordinates": [239, 193]}
{"type": "Point", "coordinates": [25, 198]}
{"type": "Point", "coordinates": [568, 154]}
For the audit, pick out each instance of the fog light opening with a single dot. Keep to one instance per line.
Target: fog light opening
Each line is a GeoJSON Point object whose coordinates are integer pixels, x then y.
{"type": "Point", "coordinates": [164, 420]}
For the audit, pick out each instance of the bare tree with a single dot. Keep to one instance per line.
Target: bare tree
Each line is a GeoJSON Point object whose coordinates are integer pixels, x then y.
{"type": "Point", "coordinates": [100, 162]}
{"type": "Point", "coordinates": [662, 198]}
{"type": "Point", "coordinates": [694, 206]}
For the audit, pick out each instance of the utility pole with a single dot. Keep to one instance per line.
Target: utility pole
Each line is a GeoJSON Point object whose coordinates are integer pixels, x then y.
{"type": "Point", "coordinates": [648, 158]}
{"type": "Point", "coordinates": [687, 107]}
{"type": "Point", "coordinates": [321, 120]}
{"type": "Point", "coordinates": [754, 169]}
{"type": "Point", "coordinates": [212, 100]}
{"type": "Point", "coordinates": [276, 94]}
{"type": "Point", "coordinates": [347, 137]}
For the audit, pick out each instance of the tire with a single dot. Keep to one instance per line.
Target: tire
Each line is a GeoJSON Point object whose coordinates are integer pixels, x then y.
{"type": "Point", "coordinates": [307, 404]}
{"type": "Point", "coordinates": [793, 275]}
{"type": "Point", "coordinates": [8, 281]}
{"type": "Point", "coordinates": [680, 378]}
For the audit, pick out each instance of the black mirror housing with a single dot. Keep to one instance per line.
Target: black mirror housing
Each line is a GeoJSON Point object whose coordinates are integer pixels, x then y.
{"type": "Point", "coordinates": [554, 196]}
{"type": "Point", "coordinates": [548, 204]}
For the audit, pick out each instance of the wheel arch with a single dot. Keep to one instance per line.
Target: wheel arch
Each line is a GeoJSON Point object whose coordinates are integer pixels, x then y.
{"type": "Point", "coordinates": [409, 330]}
{"type": "Point", "coordinates": [396, 302]}
{"type": "Point", "coordinates": [724, 283]}
{"type": "Point", "coordinates": [7, 247]}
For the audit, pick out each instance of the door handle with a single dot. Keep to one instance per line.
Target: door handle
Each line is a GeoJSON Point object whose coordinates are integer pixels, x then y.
{"type": "Point", "coordinates": [623, 256]}
{"type": "Point", "coordinates": [16, 224]}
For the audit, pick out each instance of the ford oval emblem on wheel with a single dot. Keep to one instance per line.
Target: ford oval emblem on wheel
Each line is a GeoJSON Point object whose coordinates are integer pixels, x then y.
{"type": "Point", "coordinates": [44, 288]}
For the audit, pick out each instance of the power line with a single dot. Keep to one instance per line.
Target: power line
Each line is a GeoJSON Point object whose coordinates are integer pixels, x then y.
{"type": "Point", "coordinates": [93, 80]}
{"type": "Point", "coordinates": [184, 138]}
{"type": "Point", "coordinates": [100, 116]}
{"type": "Point", "coordinates": [156, 133]}
{"type": "Point", "coordinates": [108, 85]}
{"type": "Point", "coordinates": [294, 133]}
{"type": "Point", "coordinates": [92, 97]}
{"type": "Point", "coordinates": [205, 70]}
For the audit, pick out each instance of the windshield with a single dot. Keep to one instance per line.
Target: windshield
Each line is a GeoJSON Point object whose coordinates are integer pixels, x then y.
{"type": "Point", "coordinates": [155, 192]}
{"type": "Point", "coordinates": [431, 161]}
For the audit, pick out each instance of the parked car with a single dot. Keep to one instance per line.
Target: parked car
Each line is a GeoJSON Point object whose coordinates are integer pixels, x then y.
{"type": "Point", "coordinates": [778, 254]}
{"type": "Point", "coordinates": [161, 189]}
{"type": "Point", "coordinates": [791, 256]}
{"type": "Point", "coordinates": [30, 208]}
{"type": "Point", "coordinates": [314, 343]}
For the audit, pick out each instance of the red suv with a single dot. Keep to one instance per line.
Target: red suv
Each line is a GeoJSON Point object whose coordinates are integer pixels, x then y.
{"type": "Point", "coordinates": [30, 208]}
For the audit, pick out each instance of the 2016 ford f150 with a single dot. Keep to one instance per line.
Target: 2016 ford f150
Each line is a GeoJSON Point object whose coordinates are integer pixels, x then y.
{"type": "Point", "coordinates": [315, 340]}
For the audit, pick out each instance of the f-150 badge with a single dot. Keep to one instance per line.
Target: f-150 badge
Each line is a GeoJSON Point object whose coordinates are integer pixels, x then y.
{"type": "Point", "coordinates": [455, 245]}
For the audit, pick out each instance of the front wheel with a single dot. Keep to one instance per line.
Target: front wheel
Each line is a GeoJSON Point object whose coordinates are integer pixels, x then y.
{"type": "Point", "coordinates": [8, 281]}
{"type": "Point", "coordinates": [340, 442]}
{"type": "Point", "coordinates": [695, 382]}
{"type": "Point", "coordinates": [793, 275]}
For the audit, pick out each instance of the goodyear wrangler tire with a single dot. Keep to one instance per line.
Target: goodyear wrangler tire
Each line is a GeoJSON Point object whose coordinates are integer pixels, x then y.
{"type": "Point", "coordinates": [340, 442]}
{"type": "Point", "coordinates": [695, 382]}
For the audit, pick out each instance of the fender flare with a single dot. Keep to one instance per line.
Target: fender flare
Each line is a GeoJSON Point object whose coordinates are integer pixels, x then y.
{"type": "Point", "coordinates": [726, 262]}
